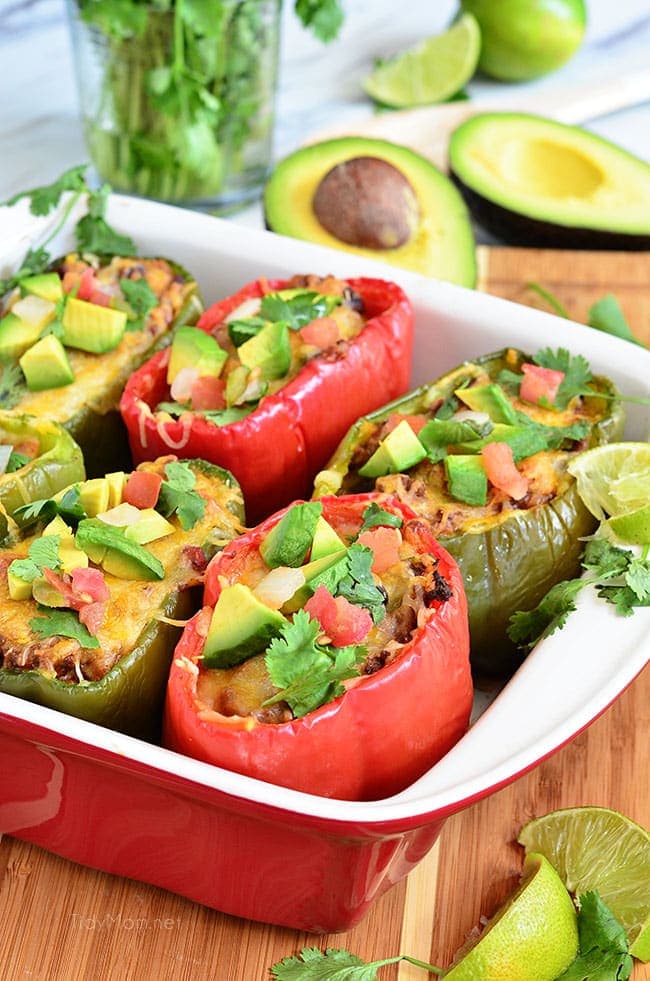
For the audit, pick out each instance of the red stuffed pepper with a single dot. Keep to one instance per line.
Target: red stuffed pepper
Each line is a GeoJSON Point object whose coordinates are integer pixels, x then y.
{"type": "Point", "coordinates": [332, 655]}
{"type": "Point", "coordinates": [270, 380]}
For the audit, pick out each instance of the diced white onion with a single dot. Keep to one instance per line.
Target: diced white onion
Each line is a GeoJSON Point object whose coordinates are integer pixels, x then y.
{"type": "Point", "coordinates": [122, 516]}
{"type": "Point", "coordinates": [181, 387]}
{"type": "Point", "coordinates": [249, 308]}
{"type": "Point", "coordinates": [34, 309]}
{"type": "Point", "coordinates": [279, 585]}
{"type": "Point", "coordinates": [470, 415]}
{"type": "Point", "coordinates": [5, 453]}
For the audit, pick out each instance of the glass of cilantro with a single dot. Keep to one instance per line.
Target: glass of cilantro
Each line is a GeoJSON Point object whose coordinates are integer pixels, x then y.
{"type": "Point", "coordinates": [177, 96]}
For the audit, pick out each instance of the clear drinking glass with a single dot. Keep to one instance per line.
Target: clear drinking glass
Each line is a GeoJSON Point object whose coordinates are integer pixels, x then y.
{"type": "Point", "coordinates": [177, 98]}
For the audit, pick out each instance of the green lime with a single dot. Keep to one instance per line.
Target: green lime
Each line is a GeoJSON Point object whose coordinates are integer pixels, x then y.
{"type": "Point", "coordinates": [614, 478]}
{"type": "Point", "coordinates": [432, 71]}
{"type": "Point", "coordinates": [524, 39]}
{"type": "Point", "coordinates": [532, 937]}
{"type": "Point", "coordinates": [633, 527]}
{"type": "Point", "coordinates": [597, 848]}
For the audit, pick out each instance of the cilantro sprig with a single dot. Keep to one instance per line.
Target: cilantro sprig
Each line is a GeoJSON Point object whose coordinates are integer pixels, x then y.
{"type": "Point", "coordinates": [62, 623]}
{"type": "Point", "coordinates": [177, 495]}
{"type": "Point", "coordinates": [307, 673]}
{"type": "Point", "coordinates": [299, 310]}
{"type": "Point", "coordinates": [619, 576]}
{"type": "Point", "coordinates": [375, 515]}
{"type": "Point", "coordinates": [92, 231]}
{"type": "Point", "coordinates": [603, 953]}
{"type": "Point", "coordinates": [43, 553]}
{"type": "Point", "coordinates": [69, 506]}
{"type": "Point", "coordinates": [142, 300]}
{"type": "Point", "coordinates": [336, 964]}
{"type": "Point", "coordinates": [605, 315]}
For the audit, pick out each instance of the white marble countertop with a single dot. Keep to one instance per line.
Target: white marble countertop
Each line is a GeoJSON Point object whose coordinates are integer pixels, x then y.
{"type": "Point", "coordinates": [319, 86]}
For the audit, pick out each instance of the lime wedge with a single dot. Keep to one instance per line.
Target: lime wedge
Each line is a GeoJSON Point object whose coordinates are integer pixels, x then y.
{"type": "Point", "coordinates": [633, 527]}
{"type": "Point", "coordinates": [597, 848]}
{"type": "Point", "coordinates": [533, 937]}
{"type": "Point", "coordinates": [432, 71]}
{"type": "Point", "coordinates": [613, 479]}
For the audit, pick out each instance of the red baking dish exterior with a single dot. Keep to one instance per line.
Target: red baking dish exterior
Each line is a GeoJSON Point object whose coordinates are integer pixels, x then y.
{"type": "Point", "coordinates": [276, 451]}
{"type": "Point", "coordinates": [372, 741]}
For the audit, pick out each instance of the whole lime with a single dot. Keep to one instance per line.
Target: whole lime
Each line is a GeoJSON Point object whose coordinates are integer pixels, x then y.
{"type": "Point", "coordinates": [523, 39]}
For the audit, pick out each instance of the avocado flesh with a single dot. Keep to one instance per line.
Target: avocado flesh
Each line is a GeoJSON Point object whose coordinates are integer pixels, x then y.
{"type": "Point", "coordinates": [536, 182]}
{"type": "Point", "coordinates": [443, 245]}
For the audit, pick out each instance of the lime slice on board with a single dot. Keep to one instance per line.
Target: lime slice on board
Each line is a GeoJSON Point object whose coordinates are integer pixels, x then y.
{"type": "Point", "coordinates": [597, 848]}
{"type": "Point", "coordinates": [432, 71]}
{"type": "Point", "coordinates": [613, 479]}
{"type": "Point", "coordinates": [532, 937]}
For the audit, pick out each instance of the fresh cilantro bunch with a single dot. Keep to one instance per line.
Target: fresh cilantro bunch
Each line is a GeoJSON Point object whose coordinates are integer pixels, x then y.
{"type": "Point", "coordinates": [620, 577]}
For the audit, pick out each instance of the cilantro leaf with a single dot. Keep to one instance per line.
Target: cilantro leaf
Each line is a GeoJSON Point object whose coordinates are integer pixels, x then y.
{"type": "Point", "coordinates": [94, 234]}
{"type": "Point", "coordinates": [308, 674]}
{"type": "Point", "coordinates": [576, 373]}
{"type": "Point", "coordinates": [375, 515]}
{"type": "Point", "coordinates": [43, 553]}
{"type": "Point", "coordinates": [141, 298]}
{"type": "Point", "coordinates": [35, 261]}
{"type": "Point", "coordinates": [606, 315]}
{"type": "Point", "coordinates": [358, 585]}
{"type": "Point", "coordinates": [299, 310]}
{"type": "Point", "coordinates": [527, 628]}
{"type": "Point", "coordinates": [603, 952]}
{"type": "Point", "coordinates": [605, 560]}
{"type": "Point", "coordinates": [177, 495]}
{"type": "Point", "coordinates": [62, 623]}
{"type": "Point", "coordinates": [44, 199]}
{"type": "Point", "coordinates": [69, 507]}
{"type": "Point", "coordinates": [324, 17]}
{"type": "Point", "coordinates": [240, 331]}
{"type": "Point", "coordinates": [16, 461]}
{"type": "Point", "coordinates": [335, 964]}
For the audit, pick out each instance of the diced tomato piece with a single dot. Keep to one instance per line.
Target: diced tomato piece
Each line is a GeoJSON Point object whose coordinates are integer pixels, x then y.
{"type": "Point", "coordinates": [209, 393]}
{"type": "Point", "coordinates": [142, 489]}
{"type": "Point", "coordinates": [415, 422]}
{"type": "Point", "coordinates": [502, 472]}
{"type": "Point", "coordinates": [539, 383]}
{"type": "Point", "coordinates": [323, 332]}
{"type": "Point", "coordinates": [100, 299]}
{"type": "Point", "coordinates": [92, 615]}
{"type": "Point", "coordinates": [342, 621]}
{"type": "Point", "coordinates": [89, 585]}
{"type": "Point", "coordinates": [384, 543]}
{"type": "Point", "coordinates": [28, 447]}
{"type": "Point", "coordinates": [87, 284]}
{"type": "Point", "coordinates": [70, 280]}
{"type": "Point", "coordinates": [60, 583]}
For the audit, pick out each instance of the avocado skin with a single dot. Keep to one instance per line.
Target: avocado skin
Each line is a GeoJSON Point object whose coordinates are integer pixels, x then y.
{"type": "Point", "coordinates": [514, 228]}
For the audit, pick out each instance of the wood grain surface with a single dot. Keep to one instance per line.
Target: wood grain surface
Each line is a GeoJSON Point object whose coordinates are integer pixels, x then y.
{"type": "Point", "coordinates": [62, 922]}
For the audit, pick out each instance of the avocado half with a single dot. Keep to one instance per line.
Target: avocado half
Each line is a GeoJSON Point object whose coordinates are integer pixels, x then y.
{"type": "Point", "coordinates": [533, 181]}
{"type": "Point", "coordinates": [440, 241]}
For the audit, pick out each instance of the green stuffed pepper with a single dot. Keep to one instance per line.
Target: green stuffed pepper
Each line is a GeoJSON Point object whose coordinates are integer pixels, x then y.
{"type": "Point", "coordinates": [91, 602]}
{"type": "Point", "coordinates": [37, 459]}
{"type": "Point", "coordinates": [71, 337]}
{"type": "Point", "coordinates": [482, 453]}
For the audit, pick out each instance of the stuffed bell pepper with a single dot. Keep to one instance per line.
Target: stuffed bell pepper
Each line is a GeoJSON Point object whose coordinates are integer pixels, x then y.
{"type": "Point", "coordinates": [37, 459]}
{"type": "Point", "coordinates": [271, 379]}
{"type": "Point", "coordinates": [90, 600]}
{"type": "Point", "coordinates": [71, 337]}
{"type": "Point", "coordinates": [482, 453]}
{"type": "Point", "coordinates": [332, 655]}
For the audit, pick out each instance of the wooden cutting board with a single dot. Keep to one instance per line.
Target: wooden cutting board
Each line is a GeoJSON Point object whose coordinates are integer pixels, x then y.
{"type": "Point", "coordinates": [62, 922]}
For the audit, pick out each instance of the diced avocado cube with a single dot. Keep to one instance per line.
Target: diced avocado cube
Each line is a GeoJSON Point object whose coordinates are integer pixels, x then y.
{"type": "Point", "coordinates": [311, 571]}
{"type": "Point", "coordinates": [193, 348]}
{"type": "Point", "coordinates": [121, 556]}
{"type": "Point", "coordinates": [399, 451]}
{"type": "Point", "coordinates": [149, 527]}
{"type": "Point", "coordinates": [236, 383]}
{"type": "Point", "coordinates": [94, 496]}
{"type": "Point", "coordinates": [46, 365]}
{"type": "Point", "coordinates": [241, 626]}
{"type": "Point", "coordinates": [325, 540]}
{"type": "Point", "coordinates": [57, 526]}
{"type": "Point", "coordinates": [16, 336]}
{"type": "Point", "coordinates": [116, 483]}
{"type": "Point", "coordinates": [289, 541]}
{"type": "Point", "coordinates": [466, 479]}
{"type": "Point", "coordinates": [19, 589]}
{"type": "Point", "coordinates": [490, 399]}
{"type": "Point", "coordinates": [269, 350]}
{"type": "Point", "coordinates": [91, 327]}
{"type": "Point", "coordinates": [72, 557]}
{"type": "Point", "coordinates": [46, 285]}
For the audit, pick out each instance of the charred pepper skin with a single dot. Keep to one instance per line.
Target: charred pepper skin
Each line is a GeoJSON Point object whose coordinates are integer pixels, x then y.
{"type": "Point", "coordinates": [58, 463]}
{"type": "Point", "coordinates": [383, 733]}
{"type": "Point", "coordinates": [276, 450]}
{"type": "Point", "coordinates": [509, 565]}
{"type": "Point", "coordinates": [129, 698]}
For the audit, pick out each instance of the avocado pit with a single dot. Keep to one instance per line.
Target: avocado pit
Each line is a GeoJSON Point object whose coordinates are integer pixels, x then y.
{"type": "Point", "coordinates": [368, 203]}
